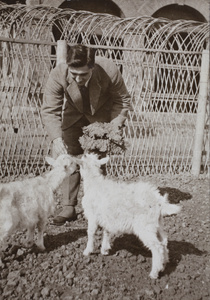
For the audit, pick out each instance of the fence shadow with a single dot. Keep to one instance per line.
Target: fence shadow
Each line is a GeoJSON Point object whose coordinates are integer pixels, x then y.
{"type": "Point", "coordinates": [175, 195]}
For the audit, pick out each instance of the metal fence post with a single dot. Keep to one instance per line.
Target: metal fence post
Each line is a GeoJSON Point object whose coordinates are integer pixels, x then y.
{"type": "Point", "coordinates": [61, 52]}
{"type": "Point", "coordinates": [200, 121]}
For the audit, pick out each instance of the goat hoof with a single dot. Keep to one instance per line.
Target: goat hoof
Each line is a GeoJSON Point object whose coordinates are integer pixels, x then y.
{"type": "Point", "coordinates": [1, 264]}
{"type": "Point", "coordinates": [41, 248]}
{"type": "Point", "coordinates": [86, 252]}
{"type": "Point", "coordinates": [153, 275]}
{"type": "Point", "coordinates": [105, 252]}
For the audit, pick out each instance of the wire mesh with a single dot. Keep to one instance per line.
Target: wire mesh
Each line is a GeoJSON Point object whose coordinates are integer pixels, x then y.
{"type": "Point", "coordinates": [160, 61]}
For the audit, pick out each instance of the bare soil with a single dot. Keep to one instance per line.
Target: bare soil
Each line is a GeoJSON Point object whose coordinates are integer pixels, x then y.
{"type": "Point", "coordinates": [62, 272]}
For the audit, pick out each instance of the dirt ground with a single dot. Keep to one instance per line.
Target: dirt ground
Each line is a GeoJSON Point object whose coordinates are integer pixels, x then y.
{"type": "Point", "coordinates": [62, 272]}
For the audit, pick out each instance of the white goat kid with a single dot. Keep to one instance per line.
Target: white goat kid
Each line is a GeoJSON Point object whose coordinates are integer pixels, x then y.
{"type": "Point", "coordinates": [120, 207]}
{"type": "Point", "coordinates": [28, 203]}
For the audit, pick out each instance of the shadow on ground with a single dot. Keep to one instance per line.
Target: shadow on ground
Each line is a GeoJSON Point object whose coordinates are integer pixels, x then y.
{"type": "Point", "coordinates": [177, 249]}
{"type": "Point", "coordinates": [53, 242]}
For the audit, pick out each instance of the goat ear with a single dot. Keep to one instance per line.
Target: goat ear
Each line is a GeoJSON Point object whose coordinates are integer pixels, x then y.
{"type": "Point", "coordinates": [104, 160]}
{"type": "Point", "coordinates": [50, 160]}
{"type": "Point", "coordinates": [77, 160]}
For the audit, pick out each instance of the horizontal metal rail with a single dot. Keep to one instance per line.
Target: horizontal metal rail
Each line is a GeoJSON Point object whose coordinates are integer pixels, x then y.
{"type": "Point", "coordinates": [38, 42]}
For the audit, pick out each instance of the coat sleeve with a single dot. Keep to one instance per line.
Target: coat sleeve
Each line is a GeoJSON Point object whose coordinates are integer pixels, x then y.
{"type": "Point", "coordinates": [51, 110]}
{"type": "Point", "coordinates": [120, 96]}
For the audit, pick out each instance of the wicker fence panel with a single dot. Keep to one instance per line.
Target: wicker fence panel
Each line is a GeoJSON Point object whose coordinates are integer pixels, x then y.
{"type": "Point", "coordinates": [160, 61]}
{"type": "Point", "coordinates": [23, 139]}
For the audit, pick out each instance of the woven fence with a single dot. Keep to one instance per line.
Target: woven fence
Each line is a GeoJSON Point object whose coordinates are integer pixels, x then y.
{"type": "Point", "coordinates": [163, 64]}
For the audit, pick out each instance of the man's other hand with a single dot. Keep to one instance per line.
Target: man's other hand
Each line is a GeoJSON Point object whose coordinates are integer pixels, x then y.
{"type": "Point", "coordinates": [59, 147]}
{"type": "Point", "coordinates": [117, 123]}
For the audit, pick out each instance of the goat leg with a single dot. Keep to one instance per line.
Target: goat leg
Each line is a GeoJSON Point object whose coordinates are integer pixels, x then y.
{"type": "Point", "coordinates": [105, 247]}
{"type": "Point", "coordinates": [92, 226]}
{"type": "Point", "coordinates": [40, 238]}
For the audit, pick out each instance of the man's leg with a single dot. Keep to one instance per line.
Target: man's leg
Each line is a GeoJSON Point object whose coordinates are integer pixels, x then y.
{"type": "Point", "coordinates": [70, 188]}
{"type": "Point", "coordinates": [71, 185]}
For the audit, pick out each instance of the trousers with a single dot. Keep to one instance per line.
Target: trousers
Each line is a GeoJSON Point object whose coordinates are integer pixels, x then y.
{"type": "Point", "coordinates": [71, 184]}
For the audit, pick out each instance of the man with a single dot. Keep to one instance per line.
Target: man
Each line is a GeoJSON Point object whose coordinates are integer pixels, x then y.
{"type": "Point", "coordinates": [84, 90]}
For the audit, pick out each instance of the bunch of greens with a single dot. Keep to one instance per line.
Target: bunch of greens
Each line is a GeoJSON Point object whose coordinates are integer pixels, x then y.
{"type": "Point", "coordinates": [103, 138]}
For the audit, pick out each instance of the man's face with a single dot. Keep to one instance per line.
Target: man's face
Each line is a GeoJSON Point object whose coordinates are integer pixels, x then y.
{"type": "Point", "coordinates": [81, 74]}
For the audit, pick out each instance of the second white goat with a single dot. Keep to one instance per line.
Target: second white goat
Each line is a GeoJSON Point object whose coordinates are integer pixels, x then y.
{"type": "Point", "coordinates": [27, 204]}
{"type": "Point", "coordinates": [120, 207]}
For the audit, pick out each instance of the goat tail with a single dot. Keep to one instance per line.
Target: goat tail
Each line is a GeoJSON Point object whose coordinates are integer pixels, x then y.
{"type": "Point", "coordinates": [168, 209]}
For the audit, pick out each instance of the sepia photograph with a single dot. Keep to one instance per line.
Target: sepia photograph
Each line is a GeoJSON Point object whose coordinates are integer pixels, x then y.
{"type": "Point", "coordinates": [104, 150]}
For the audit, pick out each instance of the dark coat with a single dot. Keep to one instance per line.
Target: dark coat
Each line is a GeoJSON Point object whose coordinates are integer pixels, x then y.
{"type": "Point", "coordinates": [109, 97]}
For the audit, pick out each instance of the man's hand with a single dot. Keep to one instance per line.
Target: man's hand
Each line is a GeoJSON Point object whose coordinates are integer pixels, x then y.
{"type": "Point", "coordinates": [59, 147]}
{"type": "Point", "coordinates": [117, 122]}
